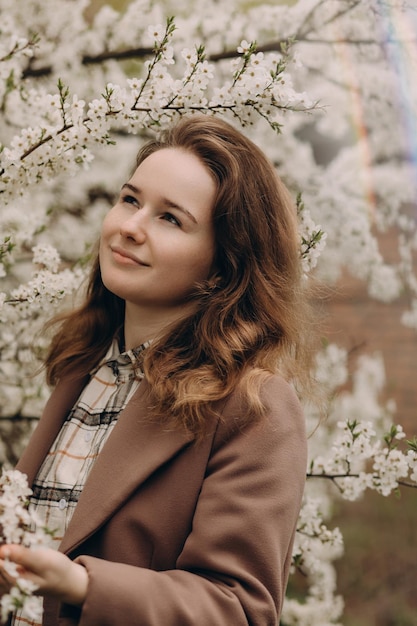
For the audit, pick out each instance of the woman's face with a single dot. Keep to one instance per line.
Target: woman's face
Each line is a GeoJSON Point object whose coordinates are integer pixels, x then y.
{"type": "Point", "coordinates": [157, 242]}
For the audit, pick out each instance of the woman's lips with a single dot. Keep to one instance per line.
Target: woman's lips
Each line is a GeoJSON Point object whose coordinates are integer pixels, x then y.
{"type": "Point", "coordinates": [125, 257]}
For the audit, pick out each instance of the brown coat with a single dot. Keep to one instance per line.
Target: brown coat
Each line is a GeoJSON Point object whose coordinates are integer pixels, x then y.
{"type": "Point", "coordinates": [178, 534]}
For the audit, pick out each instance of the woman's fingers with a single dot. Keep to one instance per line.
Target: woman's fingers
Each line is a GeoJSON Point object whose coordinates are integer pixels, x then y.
{"type": "Point", "coordinates": [23, 563]}
{"type": "Point", "coordinates": [11, 552]}
{"type": "Point", "coordinates": [51, 571]}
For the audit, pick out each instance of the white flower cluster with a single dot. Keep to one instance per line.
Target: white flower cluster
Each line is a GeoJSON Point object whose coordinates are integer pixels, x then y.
{"type": "Point", "coordinates": [14, 52]}
{"type": "Point", "coordinates": [23, 312]}
{"type": "Point", "coordinates": [69, 127]}
{"type": "Point", "coordinates": [45, 288]}
{"type": "Point", "coordinates": [358, 460]}
{"type": "Point", "coordinates": [313, 238]}
{"type": "Point", "coordinates": [47, 285]}
{"type": "Point", "coordinates": [46, 256]}
{"type": "Point", "coordinates": [359, 448]}
{"type": "Point", "coordinates": [315, 549]}
{"type": "Point", "coordinates": [19, 526]}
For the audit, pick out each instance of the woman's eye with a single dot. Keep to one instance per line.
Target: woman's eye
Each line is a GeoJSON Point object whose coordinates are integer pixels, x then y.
{"type": "Point", "coordinates": [129, 199]}
{"type": "Point", "coordinates": [171, 218]}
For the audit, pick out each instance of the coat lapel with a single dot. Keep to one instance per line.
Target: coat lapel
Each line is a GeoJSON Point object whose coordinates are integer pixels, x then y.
{"type": "Point", "coordinates": [56, 410]}
{"type": "Point", "coordinates": [135, 449]}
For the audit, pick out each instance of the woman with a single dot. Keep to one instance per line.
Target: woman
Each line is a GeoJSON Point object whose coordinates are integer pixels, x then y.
{"type": "Point", "coordinates": [171, 456]}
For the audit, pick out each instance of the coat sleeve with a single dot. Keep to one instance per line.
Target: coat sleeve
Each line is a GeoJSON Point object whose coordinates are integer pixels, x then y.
{"type": "Point", "coordinates": [234, 565]}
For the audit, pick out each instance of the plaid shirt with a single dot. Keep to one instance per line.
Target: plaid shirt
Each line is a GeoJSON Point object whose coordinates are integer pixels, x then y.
{"type": "Point", "coordinates": [63, 474]}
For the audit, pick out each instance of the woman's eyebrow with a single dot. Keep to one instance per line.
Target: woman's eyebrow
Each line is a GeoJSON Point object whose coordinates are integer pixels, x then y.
{"type": "Point", "coordinates": [165, 201]}
{"type": "Point", "coordinates": [129, 186]}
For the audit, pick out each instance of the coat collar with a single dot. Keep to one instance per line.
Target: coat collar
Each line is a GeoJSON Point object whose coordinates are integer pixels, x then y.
{"type": "Point", "coordinates": [56, 409]}
{"type": "Point", "coordinates": [135, 449]}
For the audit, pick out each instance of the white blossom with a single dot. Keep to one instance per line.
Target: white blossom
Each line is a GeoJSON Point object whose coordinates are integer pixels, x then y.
{"type": "Point", "coordinates": [46, 256]}
{"type": "Point", "coordinates": [19, 525]}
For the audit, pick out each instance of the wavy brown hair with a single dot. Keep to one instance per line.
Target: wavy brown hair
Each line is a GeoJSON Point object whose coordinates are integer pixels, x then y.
{"type": "Point", "coordinates": [250, 317]}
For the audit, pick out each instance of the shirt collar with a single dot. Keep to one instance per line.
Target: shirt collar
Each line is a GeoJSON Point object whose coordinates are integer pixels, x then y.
{"type": "Point", "coordinates": [129, 361]}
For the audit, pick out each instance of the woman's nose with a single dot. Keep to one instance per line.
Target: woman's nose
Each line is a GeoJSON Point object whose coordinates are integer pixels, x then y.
{"type": "Point", "coordinates": [134, 227]}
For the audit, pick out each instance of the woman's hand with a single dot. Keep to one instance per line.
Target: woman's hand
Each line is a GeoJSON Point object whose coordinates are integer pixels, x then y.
{"type": "Point", "coordinates": [52, 572]}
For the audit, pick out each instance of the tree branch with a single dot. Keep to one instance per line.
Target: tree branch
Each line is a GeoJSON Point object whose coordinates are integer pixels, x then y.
{"type": "Point", "coordinates": [334, 477]}
{"type": "Point", "coordinates": [111, 55]}
{"type": "Point", "coordinates": [141, 53]}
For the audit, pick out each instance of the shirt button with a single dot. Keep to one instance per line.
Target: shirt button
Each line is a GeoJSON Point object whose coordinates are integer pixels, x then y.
{"type": "Point", "coordinates": [62, 504]}
{"type": "Point", "coordinates": [87, 436]}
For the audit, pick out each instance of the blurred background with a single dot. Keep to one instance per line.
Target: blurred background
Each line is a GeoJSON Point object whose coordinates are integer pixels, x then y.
{"type": "Point", "coordinates": [378, 574]}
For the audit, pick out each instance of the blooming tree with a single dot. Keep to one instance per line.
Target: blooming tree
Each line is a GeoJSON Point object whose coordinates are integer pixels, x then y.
{"type": "Point", "coordinates": [79, 94]}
